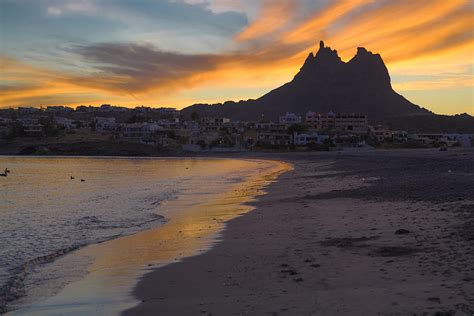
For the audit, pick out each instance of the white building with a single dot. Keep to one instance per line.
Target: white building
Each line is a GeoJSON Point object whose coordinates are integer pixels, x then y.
{"type": "Point", "coordinates": [400, 137]}
{"type": "Point", "coordinates": [274, 139]}
{"type": "Point", "coordinates": [132, 132]}
{"type": "Point", "coordinates": [65, 122]}
{"type": "Point", "coordinates": [290, 118]}
{"type": "Point", "coordinates": [306, 139]}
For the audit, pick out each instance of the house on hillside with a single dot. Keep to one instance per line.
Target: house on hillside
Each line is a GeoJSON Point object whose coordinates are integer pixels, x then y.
{"type": "Point", "coordinates": [65, 122]}
{"type": "Point", "coordinates": [32, 127]}
{"type": "Point", "coordinates": [290, 119]}
{"type": "Point", "coordinates": [105, 124]}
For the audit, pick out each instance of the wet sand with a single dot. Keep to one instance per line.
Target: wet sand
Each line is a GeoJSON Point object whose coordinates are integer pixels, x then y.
{"type": "Point", "coordinates": [352, 233]}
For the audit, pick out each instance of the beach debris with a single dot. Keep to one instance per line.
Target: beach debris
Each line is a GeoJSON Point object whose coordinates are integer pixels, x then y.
{"type": "Point", "coordinates": [72, 178]}
{"type": "Point", "coordinates": [82, 180]}
{"type": "Point", "coordinates": [298, 280]}
{"type": "Point", "coordinates": [402, 232]}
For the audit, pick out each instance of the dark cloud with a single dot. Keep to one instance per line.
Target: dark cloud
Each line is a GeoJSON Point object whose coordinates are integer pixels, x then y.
{"type": "Point", "coordinates": [135, 68]}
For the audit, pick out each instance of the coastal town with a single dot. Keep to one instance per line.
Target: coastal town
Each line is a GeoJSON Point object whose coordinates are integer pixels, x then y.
{"type": "Point", "coordinates": [169, 128]}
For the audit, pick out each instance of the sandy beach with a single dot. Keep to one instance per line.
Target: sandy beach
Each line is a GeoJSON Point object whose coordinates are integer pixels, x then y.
{"type": "Point", "coordinates": [351, 233]}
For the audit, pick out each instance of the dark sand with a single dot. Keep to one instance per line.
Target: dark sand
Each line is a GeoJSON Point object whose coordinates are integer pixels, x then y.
{"type": "Point", "coordinates": [355, 233]}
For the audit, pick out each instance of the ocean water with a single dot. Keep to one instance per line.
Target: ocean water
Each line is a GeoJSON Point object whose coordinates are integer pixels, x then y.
{"type": "Point", "coordinates": [45, 215]}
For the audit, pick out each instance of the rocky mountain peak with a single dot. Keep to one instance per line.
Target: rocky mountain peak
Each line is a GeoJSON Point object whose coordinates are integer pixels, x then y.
{"type": "Point", "coordinates": [326, 83]}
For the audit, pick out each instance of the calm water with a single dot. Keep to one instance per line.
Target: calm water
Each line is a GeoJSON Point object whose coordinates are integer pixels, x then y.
{"type": "Point", "coordinates": [44, 214]}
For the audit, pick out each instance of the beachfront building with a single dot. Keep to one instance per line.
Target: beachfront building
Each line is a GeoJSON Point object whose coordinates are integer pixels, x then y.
{"type": "Point", "coordinates": [274, 139]}
{"type": "Point", "coordinates": [400, 137]}
{"type": "Point", "coordinates": [351, 123]}
{"type": "Point", "coordinates": [307, 139]}
{"type": "Point", "coordinates": [290, 119]}
{"type": "Point", "coordinates": [450, 140]}
{"type": "Point", "coordinates": [272, 134]}
{"type": "Point", "coordinates": [382, 133]}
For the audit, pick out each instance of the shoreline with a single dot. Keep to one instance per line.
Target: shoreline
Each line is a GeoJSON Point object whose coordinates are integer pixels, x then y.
{"type": "Point", "coordinates": [318, 243]}
{"type": "Point", "coordinates": [186, 235]}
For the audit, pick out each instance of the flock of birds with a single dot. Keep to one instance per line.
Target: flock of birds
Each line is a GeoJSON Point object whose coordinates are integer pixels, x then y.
{"type": "Point", "coordinates": [7, 171]}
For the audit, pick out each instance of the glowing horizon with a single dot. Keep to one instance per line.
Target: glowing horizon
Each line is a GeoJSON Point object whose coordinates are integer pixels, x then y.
{"type": "Point", "coordinates": [181, 52]}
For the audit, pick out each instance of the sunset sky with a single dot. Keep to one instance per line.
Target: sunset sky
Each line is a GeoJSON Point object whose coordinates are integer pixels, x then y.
{"type": "Point", "coordinates": [180, 52]}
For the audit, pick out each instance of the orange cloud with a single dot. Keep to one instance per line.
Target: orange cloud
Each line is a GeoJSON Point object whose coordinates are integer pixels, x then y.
{"type": "Point", "coordinates": [316, 27]}
{"type": "Point", "coordinates": [414, 37]}
{"type": "Point", "coordinates": [404, 27]}
{"type": "Point", "coordinates": [274, 16]}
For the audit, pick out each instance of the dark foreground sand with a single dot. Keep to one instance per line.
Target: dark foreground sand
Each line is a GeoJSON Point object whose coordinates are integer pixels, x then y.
{"type": "Point", "coordinates": [356, 233]}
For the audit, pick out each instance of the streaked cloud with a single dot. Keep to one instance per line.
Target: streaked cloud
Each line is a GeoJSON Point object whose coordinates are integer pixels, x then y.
{"type": "Point", "coordinates": [78, 6]}
{"type": "Point", "coordinates": [274, 16]}
{"type": "Point", "coordinates": [136, 68]}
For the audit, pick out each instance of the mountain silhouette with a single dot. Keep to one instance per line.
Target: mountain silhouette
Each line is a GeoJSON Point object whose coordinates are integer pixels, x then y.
{"type": "Point", "coordinates": [326, 83]}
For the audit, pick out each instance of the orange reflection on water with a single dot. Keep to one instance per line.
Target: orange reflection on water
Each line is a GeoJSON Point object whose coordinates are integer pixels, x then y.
{"type": "Point", "coordinates": [195, 225]}
{"type": "Point", "coordinates": [193, 231]}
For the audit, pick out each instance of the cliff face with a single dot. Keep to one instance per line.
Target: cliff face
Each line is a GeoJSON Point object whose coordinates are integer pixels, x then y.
{"type": "Point", "coordinates": [326, 83]}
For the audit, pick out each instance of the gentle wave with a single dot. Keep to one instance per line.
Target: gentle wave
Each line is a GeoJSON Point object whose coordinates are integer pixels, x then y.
{"type": "Point", "coordinates": [47, 214]}
{"type": "Point", "coordinates": [13, 289]}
